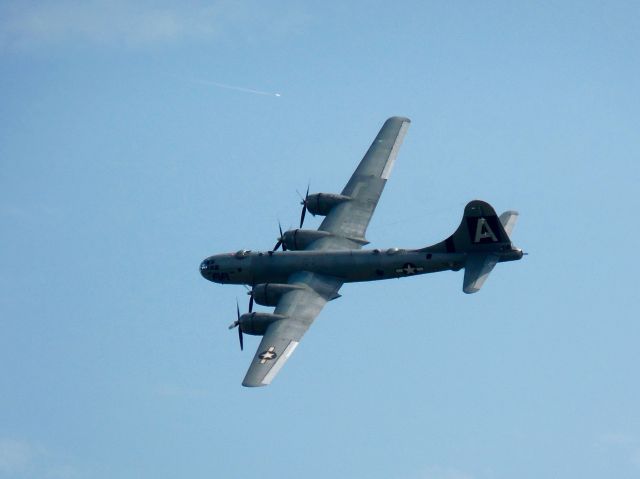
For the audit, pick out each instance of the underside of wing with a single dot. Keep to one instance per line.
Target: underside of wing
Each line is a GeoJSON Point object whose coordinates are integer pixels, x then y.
{"type": "Point", "coordinates": [274, 350]}
{"type": "Point", "coordinates": [300, 307]}
{"type": "Point", "coordinates": [351, 218]}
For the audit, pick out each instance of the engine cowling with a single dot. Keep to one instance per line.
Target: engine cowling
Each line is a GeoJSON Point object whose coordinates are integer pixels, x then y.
{"type": "Point", "coordinates": [322, 203]}
{"type": "Point", "coordinates": [268, 294]}
{"type": "Point", "coordinates": [299, 239]}
{"type": "Point", "coordinates": [257, 323]}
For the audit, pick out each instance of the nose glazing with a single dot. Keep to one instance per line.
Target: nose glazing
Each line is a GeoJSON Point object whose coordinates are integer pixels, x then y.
{"type": "Point", "coordinates": [204, 267]}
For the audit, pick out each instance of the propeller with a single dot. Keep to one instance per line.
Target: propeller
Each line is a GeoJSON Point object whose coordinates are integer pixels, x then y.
{"type": "Point", "coordinates": [236, 324]}
{"type": "Point", "coordinates": [304, 205]}
{"type": "Point", "coordinates": [280, 240]}
{"type": "Point", "coordinates": [250, 293]}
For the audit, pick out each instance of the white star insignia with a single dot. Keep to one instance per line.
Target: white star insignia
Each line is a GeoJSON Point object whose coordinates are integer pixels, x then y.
{"type": "Point", "coordinates": [409, 269]}
{"type": "Point", "coordinates": [267, 355]}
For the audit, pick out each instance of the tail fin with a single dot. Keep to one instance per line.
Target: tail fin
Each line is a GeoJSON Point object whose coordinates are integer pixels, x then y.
{"type": "Point", "coordinates": [481, 231]}
{"type": "Point", "coordinates": [484, 239]}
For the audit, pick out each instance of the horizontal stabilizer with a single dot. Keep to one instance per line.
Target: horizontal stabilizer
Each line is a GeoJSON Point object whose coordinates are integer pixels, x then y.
{"type": "Point", "coordinates": [508, 220]}
{"type": "Point", "coordinates": [476, 271]}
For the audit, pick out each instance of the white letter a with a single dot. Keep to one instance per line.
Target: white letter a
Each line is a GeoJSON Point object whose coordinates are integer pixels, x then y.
{"type": "Point", "coordinates": [484, 231]}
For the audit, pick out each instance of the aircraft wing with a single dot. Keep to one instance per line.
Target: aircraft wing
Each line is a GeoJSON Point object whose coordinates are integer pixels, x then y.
{"type": "Point", "coordinates": [301, 307]}
{"type": "Point", "coordinates": [348, 222]}
{"type": "Point", "coordinates": [350, 219]}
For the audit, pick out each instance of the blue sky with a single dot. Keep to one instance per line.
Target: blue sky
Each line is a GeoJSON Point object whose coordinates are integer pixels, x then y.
{"type": "Point", "coordinates": [123, 163]}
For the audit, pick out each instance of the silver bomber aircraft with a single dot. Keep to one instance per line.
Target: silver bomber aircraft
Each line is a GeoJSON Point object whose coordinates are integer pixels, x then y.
{"type": "Point", "coordinates": [314, 264]}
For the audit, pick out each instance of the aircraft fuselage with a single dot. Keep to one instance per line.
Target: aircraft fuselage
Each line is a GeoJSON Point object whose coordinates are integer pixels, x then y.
{"type": "Point", "coordinates": [247, 267]}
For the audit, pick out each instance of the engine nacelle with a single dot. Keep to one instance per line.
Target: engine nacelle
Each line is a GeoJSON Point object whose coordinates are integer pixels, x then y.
{"type": "Point", "coordinates": [268, 294]}
{"type": "Point", "coordinates": [296, 240]}
{"type": "Point", "coordinates": [257, 323]}
{"type": "Point", "coordinates": [322, 203]}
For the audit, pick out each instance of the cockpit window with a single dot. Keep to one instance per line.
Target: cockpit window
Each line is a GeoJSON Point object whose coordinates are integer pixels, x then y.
{"type": "Point", "coordinates": [243, 253]}
{"type": "Point", "coordinates": [208, 263]}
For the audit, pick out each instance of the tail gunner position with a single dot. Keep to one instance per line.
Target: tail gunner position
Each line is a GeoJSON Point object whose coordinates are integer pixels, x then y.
{"type": "Point", "coordinates": [313, 264]}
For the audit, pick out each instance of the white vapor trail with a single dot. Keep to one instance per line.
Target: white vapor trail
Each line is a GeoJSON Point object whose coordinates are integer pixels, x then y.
{"type": "Point", "coordinates": [236, 88]}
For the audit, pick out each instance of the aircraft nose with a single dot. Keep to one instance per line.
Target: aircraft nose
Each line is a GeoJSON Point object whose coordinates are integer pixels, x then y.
{"type": "Point", "coordinates": [204, 268]}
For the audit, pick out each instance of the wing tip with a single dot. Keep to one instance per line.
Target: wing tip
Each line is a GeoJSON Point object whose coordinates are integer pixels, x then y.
{"type": "Point", "coordinates": [402, 119]}
{"type": "Point", "coordinates": [249, 384]}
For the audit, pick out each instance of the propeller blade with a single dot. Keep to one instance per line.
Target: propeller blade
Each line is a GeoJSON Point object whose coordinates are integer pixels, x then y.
{"type": "Point", "coordinates": [237, 323]}
{"type": "Point", "coordinates": [303, 214]}
{"type": "Point", "coordinates": [284, 245]}
{"type": "Point", "coordinates": [280, 240]}
{"type": "Point", "coordinates": [250, 302]}
{"type": "Point", "coordinates": [304, 205]}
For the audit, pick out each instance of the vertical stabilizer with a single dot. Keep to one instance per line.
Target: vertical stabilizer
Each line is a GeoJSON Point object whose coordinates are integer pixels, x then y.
{"type": "Point", "coordinates": [480, 231]}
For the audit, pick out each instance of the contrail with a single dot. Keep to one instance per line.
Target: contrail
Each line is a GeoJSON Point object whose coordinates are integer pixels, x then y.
{"type": "Point", "coordinates": [236, 88]}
